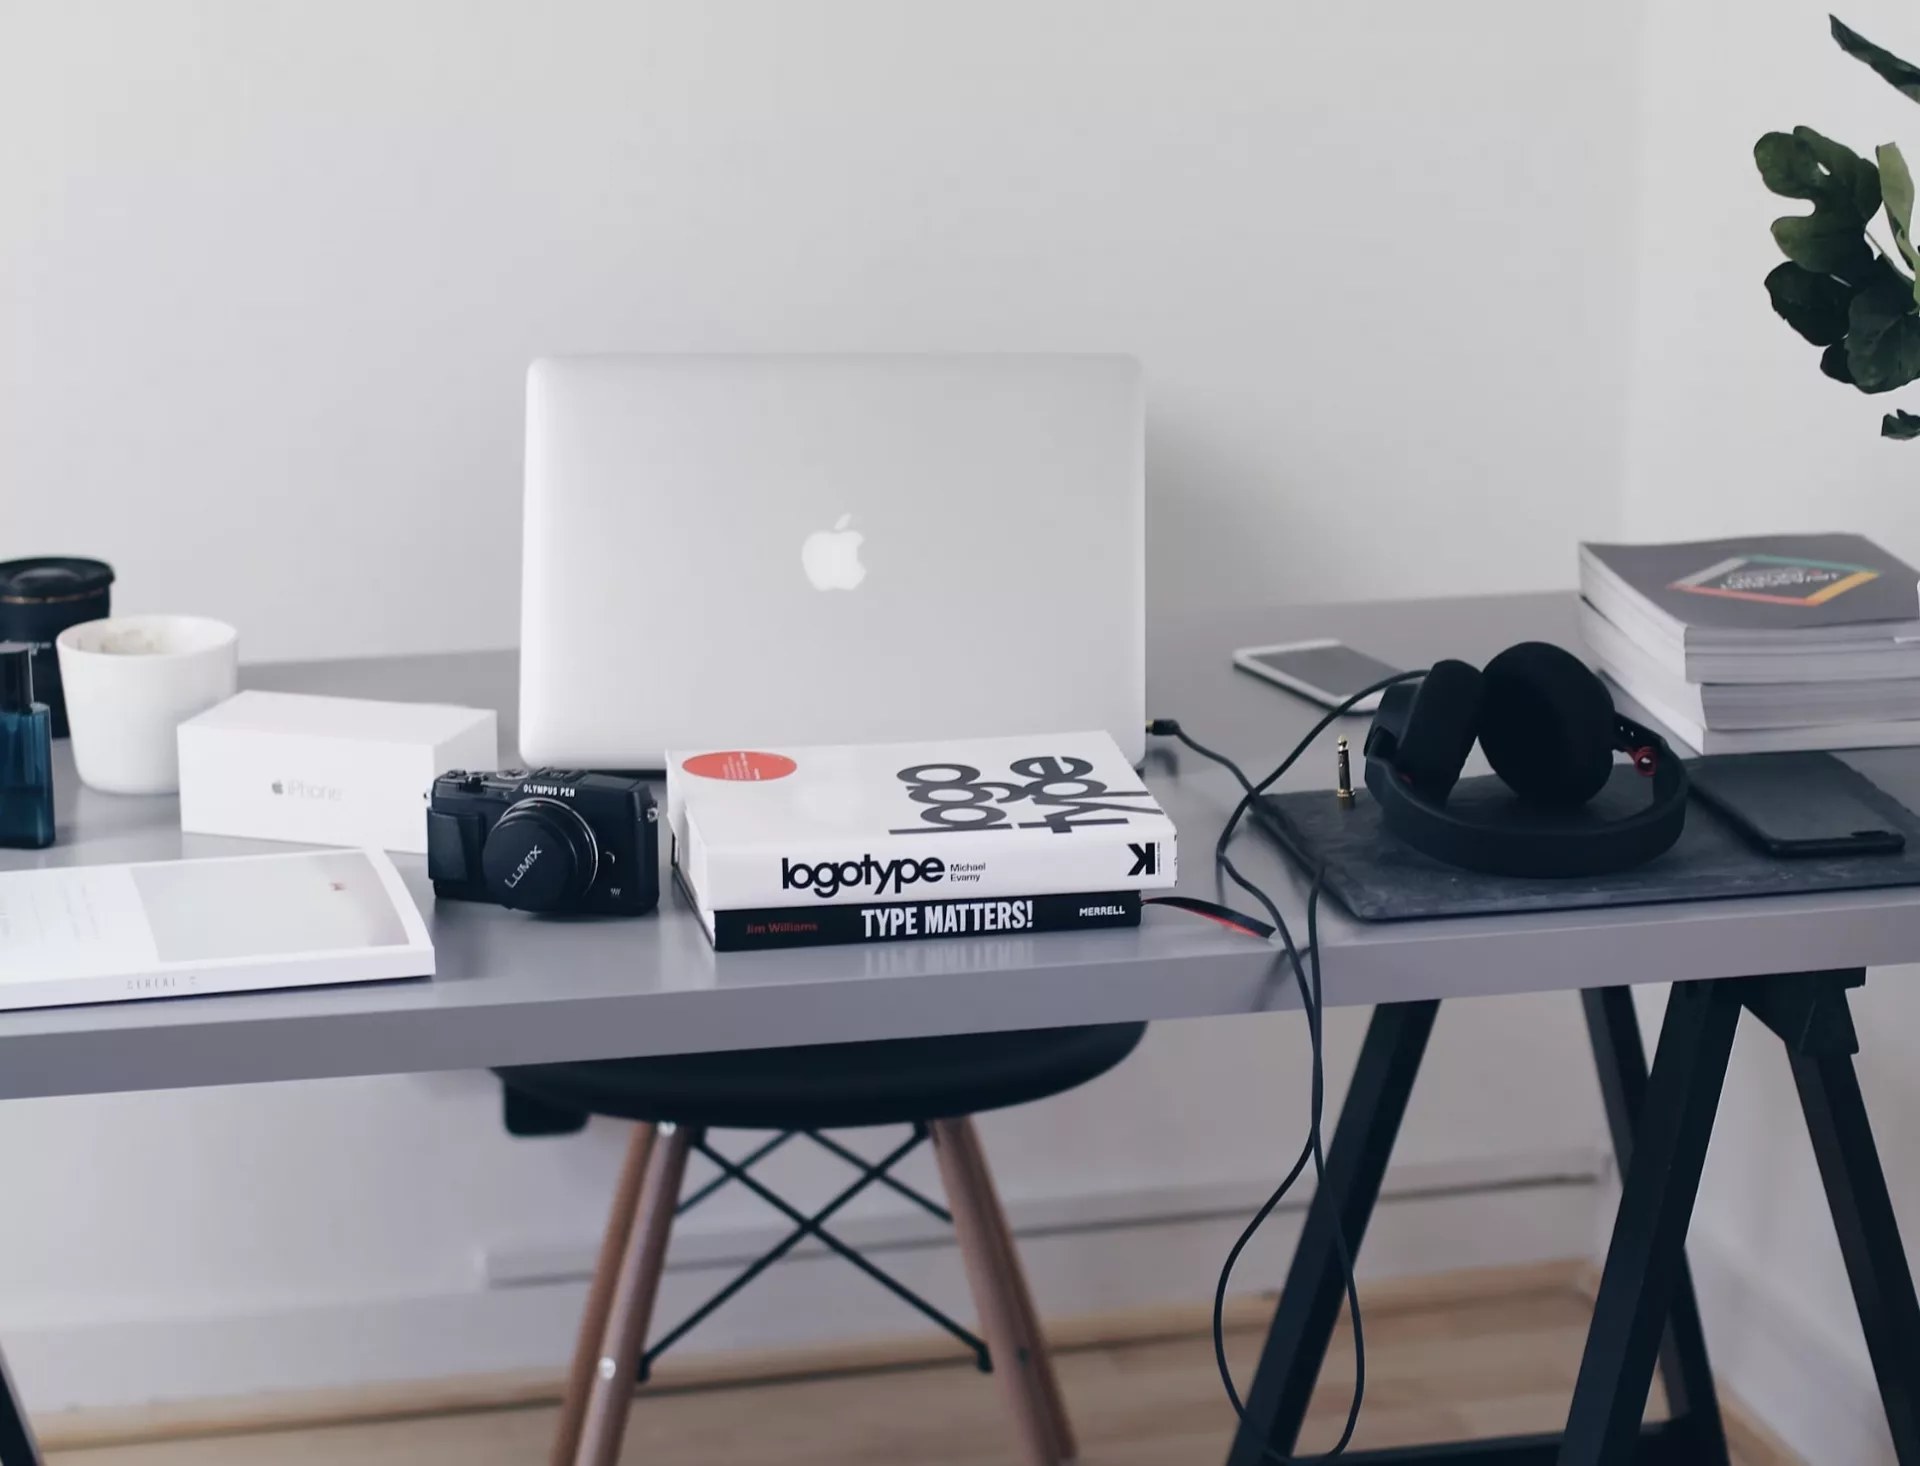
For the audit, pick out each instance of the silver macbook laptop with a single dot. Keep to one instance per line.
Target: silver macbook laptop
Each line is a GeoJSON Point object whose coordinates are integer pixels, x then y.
{"type": "Point", "coordinates": [829, 549]}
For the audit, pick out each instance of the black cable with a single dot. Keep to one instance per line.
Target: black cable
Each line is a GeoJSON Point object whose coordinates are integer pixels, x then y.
{"type": "Point", "coordinates": [1311, 1151]}
{"type": "Point", "coordinates": [1254, 791]}
{"type": "Point", "coordinates": [1314, 1133]}
{"type": "Point", "coordinates": [1213, 911]}
{"type": "Point", "coordinates": [1311, 1003]}
{"type": "Point", "coordinates": [1169, 728]}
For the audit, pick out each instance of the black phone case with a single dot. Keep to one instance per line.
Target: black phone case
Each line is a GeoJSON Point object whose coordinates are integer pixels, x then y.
{"type": "Point", "coordinates": [1797, 804]}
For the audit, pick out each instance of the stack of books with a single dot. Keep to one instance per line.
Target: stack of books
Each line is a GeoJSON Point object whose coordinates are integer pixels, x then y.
{"type": "Point", "coordinates": [802, 847]}
{"type": "Point", "coordinates": [1762, 644]}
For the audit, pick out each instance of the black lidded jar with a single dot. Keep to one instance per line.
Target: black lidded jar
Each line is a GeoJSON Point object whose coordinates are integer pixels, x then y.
{"type": "Point", "coordinates": [39, 599]}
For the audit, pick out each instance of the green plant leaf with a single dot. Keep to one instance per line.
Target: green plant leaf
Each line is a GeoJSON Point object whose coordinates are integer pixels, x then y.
{"type": "Point", "coordinates": [1814, 305]}
{"type": "Point", "coordinates": [1858, 179]}
{"type": "Point", "coordinates": [1900, 425]}
{"type": "Point", "coordinates": [1786, 166]}
{"type": "Point", "coordinates": [1896, 188]}
{"type": "Point", "coordinates": [1833, 362]}
{"type": "Point", "coordinates": [1896, 183]}
{"type": "Point", "coordinates": [1883, 336]}
{"type": "Point", "coordinates": [1844, 190]}
{"type": "Point", "coordinates": [1903, 76]}
{"type": "Point", "coordinates": [1825, 243]}
{"type": "Point", "coordinates": [1804, 165]}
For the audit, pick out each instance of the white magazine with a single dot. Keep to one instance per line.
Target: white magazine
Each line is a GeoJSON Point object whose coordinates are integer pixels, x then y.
{"type": "Point", "coordinates": [110, 933]}
{"type": "Point", "coordinates": [954, 820]}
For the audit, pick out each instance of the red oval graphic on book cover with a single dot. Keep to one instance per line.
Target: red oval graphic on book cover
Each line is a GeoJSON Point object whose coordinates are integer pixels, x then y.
{"type": "Point", "coordinates": [740, 765]}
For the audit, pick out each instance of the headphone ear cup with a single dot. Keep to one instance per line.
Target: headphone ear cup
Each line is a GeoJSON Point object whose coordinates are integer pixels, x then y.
{"type": "Point", "coordinates": [1546, 725]}
{"type": "Point", "coordinates": [1439, 731]}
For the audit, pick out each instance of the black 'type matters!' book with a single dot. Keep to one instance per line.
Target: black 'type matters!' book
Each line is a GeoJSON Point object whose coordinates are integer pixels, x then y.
{"type": "Point", "coordinates": [906, 921]}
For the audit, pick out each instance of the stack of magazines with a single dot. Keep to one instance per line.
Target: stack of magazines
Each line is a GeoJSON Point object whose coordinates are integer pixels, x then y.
{"type": "Point", "coordinates": [1767, 643]}
{"type": "Point", "coordinates": [795, 847]}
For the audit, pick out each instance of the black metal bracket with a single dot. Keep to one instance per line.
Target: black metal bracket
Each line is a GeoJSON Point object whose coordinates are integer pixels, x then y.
{"type": "Point", "coordinates": [1645, 1312]}
{"type": "Point", "coordinates": [1807, 1011]}
{"type": "Point", "coordinates": [871, 1173]}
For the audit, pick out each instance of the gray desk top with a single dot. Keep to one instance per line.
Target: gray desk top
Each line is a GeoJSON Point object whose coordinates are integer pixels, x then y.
{"type": "Point", "coordinates": [513, 989]}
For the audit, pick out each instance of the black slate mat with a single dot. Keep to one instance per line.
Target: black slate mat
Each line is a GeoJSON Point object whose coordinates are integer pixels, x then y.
{"type": "Point", "coordinates": [1377, 878]}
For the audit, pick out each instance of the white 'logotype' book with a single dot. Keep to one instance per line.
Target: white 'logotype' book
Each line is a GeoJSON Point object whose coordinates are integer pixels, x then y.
{"type": "Point", "coordinates": [107, 933]}
{"type": "Point", "coordinates": [976, 819]}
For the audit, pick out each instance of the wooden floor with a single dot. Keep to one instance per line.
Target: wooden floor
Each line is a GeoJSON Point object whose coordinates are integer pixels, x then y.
{"type": "Point", "coordinates": [1449, 1369]}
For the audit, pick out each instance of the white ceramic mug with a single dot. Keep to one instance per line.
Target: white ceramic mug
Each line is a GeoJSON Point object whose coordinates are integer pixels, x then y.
{"type": "Point", "coordinates": [130, 682]}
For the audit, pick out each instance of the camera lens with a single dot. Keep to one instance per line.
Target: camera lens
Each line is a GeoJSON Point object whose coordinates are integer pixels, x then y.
{"type": "Point", "coordinates": [540, 856]}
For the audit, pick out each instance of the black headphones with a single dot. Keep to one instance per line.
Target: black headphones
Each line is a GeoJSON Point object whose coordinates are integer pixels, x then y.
{"type": "Point", "coordinates": [1547, 725]}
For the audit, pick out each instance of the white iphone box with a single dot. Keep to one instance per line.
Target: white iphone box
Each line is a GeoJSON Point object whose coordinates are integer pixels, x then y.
{"type": "Point", "coordinates": [325, 770]}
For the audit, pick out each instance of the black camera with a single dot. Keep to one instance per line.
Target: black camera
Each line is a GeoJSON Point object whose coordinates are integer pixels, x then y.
{"type": "Point", "coordinates": [545, 840]}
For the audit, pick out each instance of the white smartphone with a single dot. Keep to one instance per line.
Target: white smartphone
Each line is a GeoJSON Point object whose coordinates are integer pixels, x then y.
{"type": "Point", "coordinates": [1327, 671]}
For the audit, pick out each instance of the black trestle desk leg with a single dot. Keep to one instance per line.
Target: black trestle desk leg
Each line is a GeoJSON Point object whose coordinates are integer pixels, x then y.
{"type": "Point", "coordinates": [1315, 1290]}
{"type": "Point", "coordinates": [1869, 1237]}
{"type": "Point", "coordinates": [1620, 1058]}
{"type": "Point", "coordinates": [16, 1436]}
{"type": "Point", "coordinates": [1645, 1258]}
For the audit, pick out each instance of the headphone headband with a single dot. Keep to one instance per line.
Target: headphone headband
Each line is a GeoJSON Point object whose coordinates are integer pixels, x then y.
{"type": "Point", "coordinates": [1553, 847]}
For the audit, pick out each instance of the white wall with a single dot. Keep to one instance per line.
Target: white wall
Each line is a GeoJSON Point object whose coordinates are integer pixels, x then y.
{"type": "Point", "coordinates": [272, 270]}
{"type": "Point", "coordinates": [1733, 429]}
{"type": "Point", "coordinates": [269, 277]}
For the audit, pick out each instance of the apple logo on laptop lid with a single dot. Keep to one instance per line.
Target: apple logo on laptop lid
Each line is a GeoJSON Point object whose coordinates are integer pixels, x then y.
{"type": "Point", "coordinates": [831, 557]}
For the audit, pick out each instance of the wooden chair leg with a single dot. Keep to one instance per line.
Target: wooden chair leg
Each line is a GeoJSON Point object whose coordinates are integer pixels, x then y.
{"type": "Point", "coordinates": [1007, 1316]}
{"type": "Point", "coordinates": [613, 1246]}
{"type": "Point", "coordinates": [636, 1283]}
{"type": "Point", "coordinates": [1041, 1357]}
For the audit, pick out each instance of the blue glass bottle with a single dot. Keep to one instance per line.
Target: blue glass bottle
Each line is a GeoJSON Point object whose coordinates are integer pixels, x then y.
{"type": "Point", "coordinates": [26, 754]}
